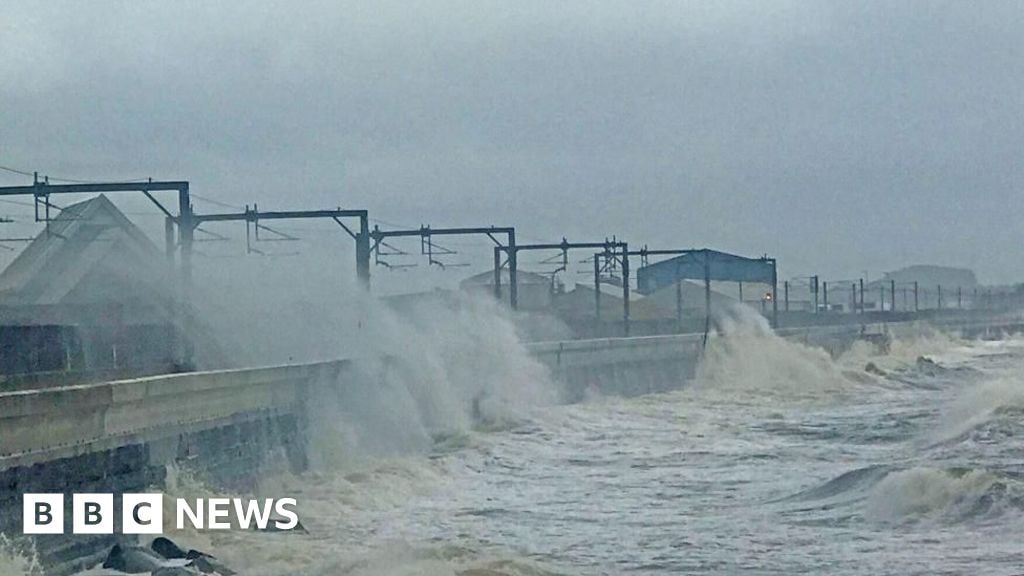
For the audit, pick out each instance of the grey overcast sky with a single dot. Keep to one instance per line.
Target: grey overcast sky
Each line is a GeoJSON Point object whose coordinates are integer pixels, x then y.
{"type": "Point", "coordinates": [839, 136]}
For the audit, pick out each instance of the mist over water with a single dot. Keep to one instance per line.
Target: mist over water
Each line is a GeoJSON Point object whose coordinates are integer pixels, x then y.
{"type": "Point", "coordinates": [437, 370]}
{"type": "Point", "coordinates": [777, 459]}
{"type": "Point", "coordinates": [743, 356]}
{"type": "Point", "coordinates": [425, 383]}
{"type": "Point", "coordinates": [447, 453]}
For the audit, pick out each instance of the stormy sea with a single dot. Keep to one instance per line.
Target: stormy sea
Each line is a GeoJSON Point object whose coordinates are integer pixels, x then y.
{"type": "Point", "coordinates": [775, 459]}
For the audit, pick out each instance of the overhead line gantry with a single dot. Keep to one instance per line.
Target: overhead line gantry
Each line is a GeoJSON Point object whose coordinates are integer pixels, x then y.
{"type": "Point", "coordinates": [611, 249]}
{"type": "Point", "coordinates": [254, 215]}
{"type": "Point", "coordinates": [187, 221]}
{"type": "Point", "coordinates": [426, 232]}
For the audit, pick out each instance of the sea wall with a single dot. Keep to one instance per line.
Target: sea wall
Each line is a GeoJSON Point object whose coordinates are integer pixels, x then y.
{"type": "Point", "coordinates": [120, 436]}
{"type": "Point", "coordinates": [645, 364]}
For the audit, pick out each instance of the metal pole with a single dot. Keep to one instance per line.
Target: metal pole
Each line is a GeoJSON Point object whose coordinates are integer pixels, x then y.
{"type": "Point", "coordinates": [938, 299]}
{"type": "Point", "coordinates": [861, 295]}
{"type": "Point", "coordinates": [707, 294]}
{"type": "Point", "coordinates": [363, 251]}
{"type": "Point", "coordinates": [785, 291]}
{"type": "Point", "coordinates": [916, 307]}
{"type": "Point", "coordinates": [513, 274]}
{"type": "Point", "coordinates": [169, 246]}
{"type": "Point", "coordinates": [597, 292]}
{"type": "Point", "coordinates": [824, 293]}
{"type": "Point", "coordinates": [892, 295]}
{"type": "Point", "coordinates": [679, 300]}
{"type": "Point", "coordinates": [186, 233]}
{"type": "Point", "coordinates": [853, 297]}
{"type": "Point", "coordinates": [625, 289]}
{"type": "Point", "coordinates": [741, 291]}
{"type": "Point", "coordinates": [815, 278]}
{"type": "Point", "coordinates": [775, 295]}
{"type": "Point", "coordinates": [497, 273]}
{"type": "Point", "coordinates": [248, 232]}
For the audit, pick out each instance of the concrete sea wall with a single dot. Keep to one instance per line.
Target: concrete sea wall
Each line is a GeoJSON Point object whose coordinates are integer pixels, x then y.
{"type": "Point", "coordinates": [117, 437]}
{"type": "Point", "coordinates": [645, 364]}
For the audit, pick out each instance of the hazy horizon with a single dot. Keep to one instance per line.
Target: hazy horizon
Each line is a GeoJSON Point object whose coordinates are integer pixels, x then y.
{"type": "Point", "coordinates": [839, 138]}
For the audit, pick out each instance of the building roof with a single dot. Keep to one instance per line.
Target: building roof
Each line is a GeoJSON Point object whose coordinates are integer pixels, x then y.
{"type": "Point", "coordinates": [696, 264]}
{"type": "Point", "coordinates": [90, 240]}
{"type": "Point", "coordinates": [610, 290]}
{"type": "Point", "coordinates": [92, 265]}
{"type": "Point", "coordinates": [580, 302]}
{"type": "Point", "coordinates": [522, 278]}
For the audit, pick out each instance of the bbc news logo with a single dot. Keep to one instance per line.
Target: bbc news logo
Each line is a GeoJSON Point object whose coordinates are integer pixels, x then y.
{"type": "Point", "coordinates": [144, 513]}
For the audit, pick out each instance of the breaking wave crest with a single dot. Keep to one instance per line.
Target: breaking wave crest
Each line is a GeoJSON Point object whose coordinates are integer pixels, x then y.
{"type": "Point", "coordinates": [744, 355]}
{"type": "Point", "coordinates": [901, 495]}
{"type": "Point", "coordinates": [846, 487]}
{"type": "Point", "coordinates": [985, 413]}
{"type": "Point", "coordinates": [948, 495]}
{"type": "Point", "coordinates": [440, 369]}
{"type": "Point", "coordinates": [420, 384]}
{"type": "Point", "coordinates": [928, 342]}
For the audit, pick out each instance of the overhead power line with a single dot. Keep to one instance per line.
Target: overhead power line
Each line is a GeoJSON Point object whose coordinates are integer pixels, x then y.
{"type": "Point", "coordinates": [68, 180]}
{"type": "Point", "coordinates": [80, 181]}
{"type": "Point", "coordinates": [217, 202]}
{"type": "Point", "coordinates": [15, 170]}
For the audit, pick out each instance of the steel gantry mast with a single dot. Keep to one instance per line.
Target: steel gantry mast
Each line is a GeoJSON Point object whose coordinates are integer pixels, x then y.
{"type": "Point", "coordinates": [608, 248]}
{"type": "Point", "coordinates": [41, 190]}
{"type": "Point", "coordinates": [426, 232]}
{"type": "Point", "coordinates": [254, 215]}
{"type": "Point", "coordinates": [187, 222]}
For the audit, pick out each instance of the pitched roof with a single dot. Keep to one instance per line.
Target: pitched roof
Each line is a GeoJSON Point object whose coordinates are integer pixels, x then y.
{"type": "Point", "coordinates": [579, 302]}
{"type": "Point", "coordinates": [523, 277]}
{"type": "Point", "coordinates": [86, 238]}
{"type": "Point", "coordinates": [696, 264]}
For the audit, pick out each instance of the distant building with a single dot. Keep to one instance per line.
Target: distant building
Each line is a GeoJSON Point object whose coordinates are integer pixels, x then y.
{"type": "Point", "coordinates": [534, 291]}
{"type": "Point", "coordinates": [937, 286]}
{"type": "Point", "coordinates": [927, 275]}
{"type": "Point", "coordinates": [411, 301]}
{"type": "Point", "coordinates": [691, 297]}
{"type": "Point", "coordinates": [90, 293]}
{"type": "Point", "coordinates": [705, 264]}
{"type": "Point", "coordinates": [581, 303]}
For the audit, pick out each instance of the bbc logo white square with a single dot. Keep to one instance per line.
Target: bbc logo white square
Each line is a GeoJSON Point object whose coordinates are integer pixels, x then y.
{"type": "Point", "coordinates": [92, 514]}
{"type": "Point", "coordinates": [142, 513]}
{"type": "Point", "coordinates": [43, 514]}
